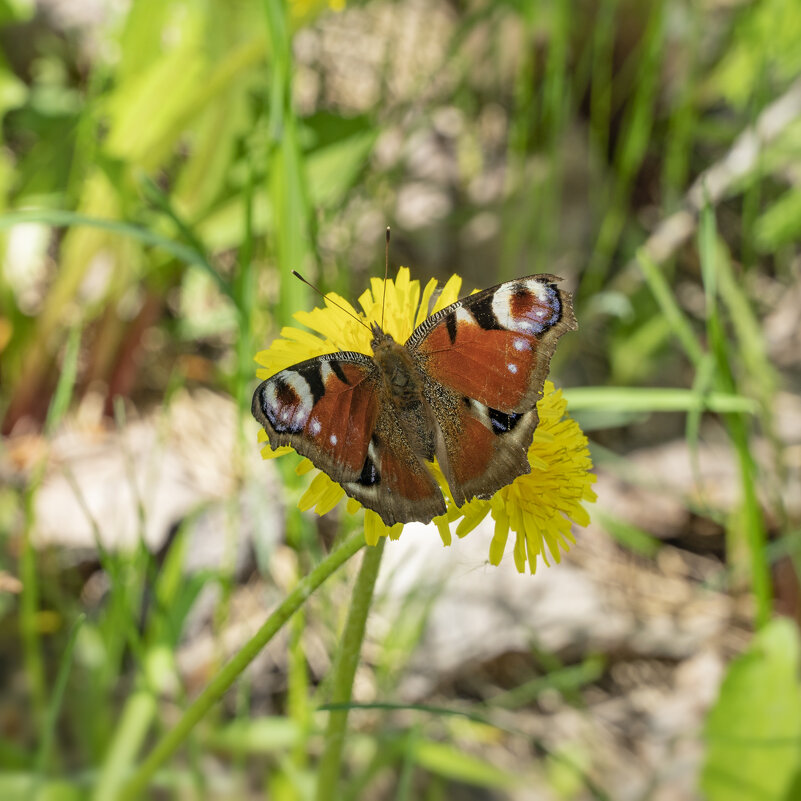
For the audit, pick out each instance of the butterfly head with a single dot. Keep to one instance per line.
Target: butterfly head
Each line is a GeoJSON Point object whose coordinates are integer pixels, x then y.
{"type": "Point", "coordinates": [381, 340]}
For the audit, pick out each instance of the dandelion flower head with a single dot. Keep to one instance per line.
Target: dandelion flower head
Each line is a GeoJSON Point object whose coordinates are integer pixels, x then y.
{"type": "Point", "coordinates": [537, 507]}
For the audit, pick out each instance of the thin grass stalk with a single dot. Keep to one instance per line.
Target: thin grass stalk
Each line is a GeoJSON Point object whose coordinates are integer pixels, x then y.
{"type": "Point", "coordinates": [630, 152]}
{"type": "Point", "coordinates": [737, 424]}
{"type": "Point", "coordinates": [601, 83]}
{"type": "Point", "coordinates": [146, 236]}
{"type": "Point", "coordinates": [56, 699]}
{"type": "Point", "coordinates": [29, 598]}
{"type": "Point", "coordinates": [222, 682]}
{"type": "Point", "coordinates": [665, 297]}
{"type": "Point", "coordinates": [287, 181]}
{"type": "Point", "coordinates": [657, 399]}
{"type": "Point", "coordinates": [328, 772]}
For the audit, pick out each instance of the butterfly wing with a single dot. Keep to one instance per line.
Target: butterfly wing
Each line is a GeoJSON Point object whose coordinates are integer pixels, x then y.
{"type": "Point", "coordinates": [395, 482]}
{"type": "Point", "coordinates": [486, 358]}
{"type": "Point", "coordinates": [325, 408]}
{"type": "Point", "coordinates": [331, 409]}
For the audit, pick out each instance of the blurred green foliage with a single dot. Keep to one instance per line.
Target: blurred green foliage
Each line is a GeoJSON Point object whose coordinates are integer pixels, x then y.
{"type": "Point", "coordinates": [754, 729]}
{"type": "Point", "coordinates": [164, 167]}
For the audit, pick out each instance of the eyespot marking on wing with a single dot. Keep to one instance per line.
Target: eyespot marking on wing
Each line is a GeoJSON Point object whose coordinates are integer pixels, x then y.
{"type": "Point", "coordinates": [502, 423]}
{"type": "Point", "coordinates": [485, 315]}
{"type": "Point", "coordinates": [529, 307]}
{"type": "Point", "coordinates": [370, 475]}
{"type": "Point", "coordinates": [287, 401]}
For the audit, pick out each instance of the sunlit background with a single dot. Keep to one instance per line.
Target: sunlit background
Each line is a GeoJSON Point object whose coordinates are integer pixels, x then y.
{"type": "Point", "coordinates": [164, 165]}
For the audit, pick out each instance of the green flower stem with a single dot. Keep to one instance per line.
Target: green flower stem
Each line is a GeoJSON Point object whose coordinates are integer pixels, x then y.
{"type": "Point", "coordinates": [344, 671]}
{"type": "Point", "coordinates": [172, 740]}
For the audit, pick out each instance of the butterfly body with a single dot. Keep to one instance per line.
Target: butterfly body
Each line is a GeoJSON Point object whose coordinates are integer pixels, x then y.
{"type": "Point", "coordinates": [463, 389]}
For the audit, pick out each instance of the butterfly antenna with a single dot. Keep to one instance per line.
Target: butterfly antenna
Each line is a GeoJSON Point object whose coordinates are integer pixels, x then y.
{"type": "Point", "coordinates": [332, 302]}
{"type": "Point", "coordinates": [386, 273]}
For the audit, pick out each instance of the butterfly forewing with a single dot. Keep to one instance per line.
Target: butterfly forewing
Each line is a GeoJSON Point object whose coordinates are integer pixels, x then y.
{"type": "Point", "coordinates": [325, 408]}
{"type": "Point", "coordinates": [332, 410]}
{"type": "Point", "coordinates": [486, 358]}
{"type": "Point", "coordinates": [495, 346]}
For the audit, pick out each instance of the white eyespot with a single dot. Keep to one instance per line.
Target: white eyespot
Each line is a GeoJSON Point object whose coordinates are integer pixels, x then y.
{"type": "Point", "coordinates": [462, 315]}
{"type": "Point", "coordinates": [521, 344]}
{"type": "Point", "coordinates": [512, 368]}
{"type": "Point", "coordinates": [372, 452]}
{"type": "Point", "coordinates": [285, 415]}
{"type": "Point", "coordinates": [538, 289]}
{"type": "Point", "coordinates": [314, 426]}
{"type": "Point", "coordinates": [333, 439]}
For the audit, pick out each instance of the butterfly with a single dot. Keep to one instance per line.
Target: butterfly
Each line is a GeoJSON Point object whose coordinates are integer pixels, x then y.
{"type": "Point", "coordinates": [463, 388]}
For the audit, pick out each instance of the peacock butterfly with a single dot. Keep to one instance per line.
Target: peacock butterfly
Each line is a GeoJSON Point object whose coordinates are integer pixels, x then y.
{"type": "Point", "coordinates": [463, 388]}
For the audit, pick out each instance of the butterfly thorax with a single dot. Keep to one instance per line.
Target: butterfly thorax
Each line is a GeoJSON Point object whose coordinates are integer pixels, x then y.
{"type": "Point", "coordinates": [402, 384]}
{"type": "Point", "coordinates": [400, 376]}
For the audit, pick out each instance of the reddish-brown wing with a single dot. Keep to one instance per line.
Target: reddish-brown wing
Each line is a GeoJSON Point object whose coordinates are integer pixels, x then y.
{"type": "Point", "coordinates": [395, 481]}
{"type": "Point", "coordinates": [325, 408]}
{"type": "Point", "coordinates": [486, 358]}
{"type": "Point", "coordinates": [495, 346]}
{"type": "Point", "coordinates": [332, 410]}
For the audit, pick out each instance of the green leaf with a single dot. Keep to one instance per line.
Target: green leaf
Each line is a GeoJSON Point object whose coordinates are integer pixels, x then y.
{"type": "Point", "coordinates": [333, 169]}
{"type": "Point", "coordinates": [451, 763]}
{"type": "Point", "coordinates": [647, 399]}
{"type": "Point", "coordinates": [754, 730]}
{"type": "Point", "coordinates": [257, 736]}
{"type": "Point", "coordinates": [780, 224]}
{"type": "Point", "coordinates": [22, 786]}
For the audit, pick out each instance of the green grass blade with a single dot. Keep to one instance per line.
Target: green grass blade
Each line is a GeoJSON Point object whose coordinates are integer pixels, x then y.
{"type": "Point", "coordinates": [214, 691]}
{"type": "Point", "coordinates": [162, 202]}
{"type": "Point", "coordinates": [56, 699]}
{"type": "Point", "coordinates": [670, 308]}
{"type": "Point", "coordinates": [631, 399]}
{"type": "Point", "coordinates": [66, 382]}
{"type": "Point", "coordinates": [29, 598]}
{"type": "Point", "coordinates": [705, 378]}
{"type": "Point", "coordinates": [60, 218]}
{"type": "Point", "coordinates": [737, 424]}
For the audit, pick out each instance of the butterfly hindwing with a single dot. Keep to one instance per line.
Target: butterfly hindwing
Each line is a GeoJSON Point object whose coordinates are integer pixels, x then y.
{"type": "Point", "coordinates": [395, 482]}
{"type": "Point", "coordinates": [482, 449]}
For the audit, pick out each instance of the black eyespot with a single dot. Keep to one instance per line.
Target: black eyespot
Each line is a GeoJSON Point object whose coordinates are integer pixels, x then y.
{"type": "Point", "coordinates": [370, 475]}
{"type": "Point", "coordinates": [311, 372]}
{"type": "Point", "coordinates": [503, 423]}
{"type": "Point", "coordinates": [482, 312]}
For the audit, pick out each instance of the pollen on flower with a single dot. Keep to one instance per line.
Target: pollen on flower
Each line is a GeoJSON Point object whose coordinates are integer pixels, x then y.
{"type": "Point", "coordinates": [538, 507]}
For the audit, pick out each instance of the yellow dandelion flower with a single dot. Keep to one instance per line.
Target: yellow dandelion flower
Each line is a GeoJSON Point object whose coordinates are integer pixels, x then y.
{"type": "Point", "coordinates": [538, 506]}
